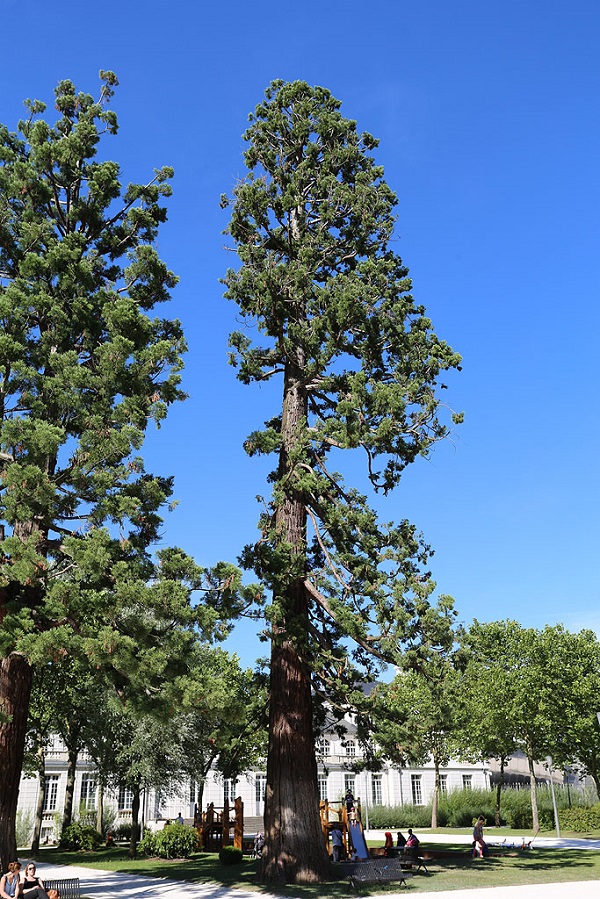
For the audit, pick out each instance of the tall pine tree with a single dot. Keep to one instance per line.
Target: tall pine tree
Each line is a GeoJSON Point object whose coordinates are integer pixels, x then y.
{"type": "Point", "coordinates": [359, 363]}
{"type": "Point", "coordinates": [84, 367]}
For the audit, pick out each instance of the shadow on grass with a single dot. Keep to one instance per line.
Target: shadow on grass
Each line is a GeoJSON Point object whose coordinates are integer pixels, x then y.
{"type": "Point", "coordinates": [455, 870]}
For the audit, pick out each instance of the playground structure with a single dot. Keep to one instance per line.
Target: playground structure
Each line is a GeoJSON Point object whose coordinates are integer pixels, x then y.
{"type": "Point", "coordinates": [215, 825]}
{"type": "Point", "coordinates": [335, 814]}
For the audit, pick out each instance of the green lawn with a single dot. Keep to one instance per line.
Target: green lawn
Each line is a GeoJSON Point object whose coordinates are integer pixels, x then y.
{"type": "Point", "coordinates": [506, 868]}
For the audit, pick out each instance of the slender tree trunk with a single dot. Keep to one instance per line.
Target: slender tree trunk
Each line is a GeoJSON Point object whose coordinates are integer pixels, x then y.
{"type": "Point", "coordinates": [99, 805]}
{"type": "Point", "coordinates": [532, 789]}
{"type": "Point", "coordinates": [41, 800]}
{"type": "Point", "coordinates": [73, 755]}
{"type": "Point", "coordinates": [135, 821]}
{"type": "Point", "coordinates": [436, 793]}
{"type": "Point", "coordinates": [499, 791]}
{"type": "Point", "coordinates": [15, 689]}
{"type": "Point", "coordinates": [295, 850]}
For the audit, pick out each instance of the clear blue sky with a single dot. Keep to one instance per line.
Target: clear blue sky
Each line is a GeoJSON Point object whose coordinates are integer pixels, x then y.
{"type": "Point", "coordinates": [488, 117]}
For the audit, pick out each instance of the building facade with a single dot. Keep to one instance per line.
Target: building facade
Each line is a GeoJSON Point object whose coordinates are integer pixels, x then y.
{"type": "Point", "coordinates": [390, 786]}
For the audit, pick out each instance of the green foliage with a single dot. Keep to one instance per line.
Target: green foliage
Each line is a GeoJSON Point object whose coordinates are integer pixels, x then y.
{"type": "Point", "coordinates": [580, 820]}
{"type": "Point", "coordinates": [229, 855]}
{"type": "Point", "coordinates": [399, 817]}
{"type": "Point", "coordinates": [80, 836]}
{"type": "Point", "coordinates": [23, 828]}
{"type": "Point", "coordinates": [173, 841]}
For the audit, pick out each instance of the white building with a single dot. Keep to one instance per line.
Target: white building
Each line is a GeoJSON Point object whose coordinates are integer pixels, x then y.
{"type": "Point", "coordinates": [390, 786]}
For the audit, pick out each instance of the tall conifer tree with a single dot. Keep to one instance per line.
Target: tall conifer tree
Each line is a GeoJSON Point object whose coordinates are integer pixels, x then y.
{"type": "Point", "coordinates": [83, 369]}
{"type": "Point", "coordinates": [359, 363]}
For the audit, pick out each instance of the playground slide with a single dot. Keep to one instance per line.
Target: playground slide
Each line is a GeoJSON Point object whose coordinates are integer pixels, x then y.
{"type": "Point", "coordinates": [358, 839]}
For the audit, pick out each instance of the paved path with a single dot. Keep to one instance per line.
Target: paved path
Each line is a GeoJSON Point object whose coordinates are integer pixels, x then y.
{"type": "Point", "coordinates": [110, 885]}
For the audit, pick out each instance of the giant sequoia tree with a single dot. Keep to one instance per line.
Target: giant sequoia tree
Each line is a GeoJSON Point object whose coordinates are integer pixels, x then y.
{"type": "Point", "coordinates": [359, 363]}
{"type": "Point", "coordinates": [83, 369]}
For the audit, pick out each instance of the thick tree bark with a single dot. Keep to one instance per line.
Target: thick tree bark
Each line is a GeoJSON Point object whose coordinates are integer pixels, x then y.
{"type": "Point", "coordinates": [295, 850]}
{"type": "Point", "coordinates": [15, 690]}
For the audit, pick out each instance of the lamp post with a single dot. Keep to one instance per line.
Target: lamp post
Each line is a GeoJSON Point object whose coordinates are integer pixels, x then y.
{"type": "Point", "coordinates": [556, 822]}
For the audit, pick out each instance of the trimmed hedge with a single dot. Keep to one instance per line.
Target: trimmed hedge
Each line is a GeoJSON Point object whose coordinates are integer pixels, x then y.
{"type": "Point", "coordinates": [580, 820]}
{"type": "Point", "coordinates": [173, 841]}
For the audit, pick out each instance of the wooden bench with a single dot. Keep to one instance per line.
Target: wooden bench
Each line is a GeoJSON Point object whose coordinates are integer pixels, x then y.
{"type": "Point", "coordinates": [380, 870]}
{"type": "Point", "coordinates": [68, 887]}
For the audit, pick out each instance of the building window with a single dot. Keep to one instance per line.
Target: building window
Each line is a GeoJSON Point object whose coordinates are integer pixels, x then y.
{"type": "Point", "coordinates": [193, 793]}
{"type": "Point", "coordinates": [467, 781]}
{"type": "Point", "coordinates": [260, 787]}
{"type": "Point", "coordinates": [229, 788]}
{"type": "Point", "coordinates": [87, 798]}
{"type": "Point", "coordinates": [323, 747]}
{"type": "Point", "coordinates": [350, 748]}
{"type": "Point", "coordinates": [415, 785]}
{"type": "Point", "coordinates": [376, 791]}
{"type": "Point", "coordinates": [444, 784]}
{"type": "Point", "coordinates": [349, 783]}
{"type": "Point", "coordinates": [51, 782]}
{"type": "Point", "coordinates": [126, 800]}
{"type": "Point", "coordinates": [323, 787]}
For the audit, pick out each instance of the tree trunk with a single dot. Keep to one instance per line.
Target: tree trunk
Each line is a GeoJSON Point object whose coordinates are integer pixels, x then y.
{"type": "Point", "coordinates": [99, 806]}
{"type": "Point", "coordinates": [295, 850]}
{"type": "Point", "coordinates": [41, 800]}
{"type": "Point", "coordinates": [135, 821]}
{"type": "Point", "coordinates": [532, 789]}
{"type": "Point", "coordinates": [499, 791]}
{"type": "Point", "coordinates": [73, 755]}
{"type": "Point", "coordinates": [436, 794]}
{"type": "Point", "coordinates": [15, 689]}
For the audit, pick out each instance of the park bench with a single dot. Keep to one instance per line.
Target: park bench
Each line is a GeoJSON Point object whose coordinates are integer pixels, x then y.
{"type": "Point", "coordinates": [410, 858]}
{"type": "Point", "coordinates": [374, 870]}
{"type": "Point", "coordinates": [68, 887]}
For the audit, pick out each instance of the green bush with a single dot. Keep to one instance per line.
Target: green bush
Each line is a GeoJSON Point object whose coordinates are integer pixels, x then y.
{"type": "Point", "coordinates": [80, 836]}
{"type": "Point", "coordinates": [229, 855]}
{"type": "Point", "coordinates": [580, 820]}
{"type": "Point", "coordinates": [173, 841]}
{"type": "Point", "coordinates": [123, 831]}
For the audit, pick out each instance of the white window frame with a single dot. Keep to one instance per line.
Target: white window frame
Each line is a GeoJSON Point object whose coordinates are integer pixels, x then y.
{"type": "Point", "coordinates": [51, 792]}
{"type": "Point", "coordinates": [416, 789]}
{"type": "Point", "coordinates": [376, 789]}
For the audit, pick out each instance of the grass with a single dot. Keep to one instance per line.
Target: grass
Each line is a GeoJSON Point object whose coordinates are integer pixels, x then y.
{"type": "Point", "coordinates": [504, 868]}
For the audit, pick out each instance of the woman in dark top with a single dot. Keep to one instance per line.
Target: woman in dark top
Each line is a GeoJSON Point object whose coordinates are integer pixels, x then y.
{"type": "Point", "coordinates": [32, 887]}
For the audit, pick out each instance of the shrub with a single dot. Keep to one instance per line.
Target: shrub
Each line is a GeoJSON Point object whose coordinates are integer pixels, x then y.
{"type": "Point", "coordinates": [229, 855]}
{"type": "Point", "coordinates": [23, 828]}
{"type": "Point", "coordinates": [581, 820]}
{"type": "Point", "coordinates": [122, 831]}
{"type": "Point", "coordinates": [79, 836]}
{"type": "Point", "coordinates": [173, 841]}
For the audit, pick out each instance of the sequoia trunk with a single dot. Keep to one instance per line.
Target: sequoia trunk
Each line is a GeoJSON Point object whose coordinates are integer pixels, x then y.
{"type": "Point", "coordinates": [295, 849]}
{"type": "Point", "coordinates": [15, 690]}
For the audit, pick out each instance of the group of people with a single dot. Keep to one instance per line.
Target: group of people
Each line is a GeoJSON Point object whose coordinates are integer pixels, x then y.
{"type": "Point", "coordinates": [410, 842]}
{"type": "Point", "coordinates": [28, 886]}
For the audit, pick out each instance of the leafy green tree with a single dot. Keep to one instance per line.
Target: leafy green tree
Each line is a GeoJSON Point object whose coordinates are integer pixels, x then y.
{"type": "Point", "coordinates": [312, 224]}
{"type": "Point", "coordinates": [523, 670]}
{"type": "Point", "coordinates": [482, 730]}
{"type": "Point", "coordinates": [414, 717]}
{"type": "Point", "coordinates": [222, 719]}
{"type": "Point", "coordinates": [83, 369]}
